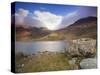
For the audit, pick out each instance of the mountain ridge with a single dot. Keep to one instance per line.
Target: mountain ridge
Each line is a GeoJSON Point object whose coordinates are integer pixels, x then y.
{"type": "Point", "coordinates": [82, 28]}
{"type": "Point", "coordinates": [85, 27]}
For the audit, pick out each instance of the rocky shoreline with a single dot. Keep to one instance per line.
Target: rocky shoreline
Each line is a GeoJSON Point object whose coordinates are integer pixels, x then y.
{"type": "Point", "coordinates": [86, 48]}
{"type": "Point", "coordinates": [81, 54]}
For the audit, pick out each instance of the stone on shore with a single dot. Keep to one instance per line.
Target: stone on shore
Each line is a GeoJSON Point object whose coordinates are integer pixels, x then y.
{"type": "Point", "coordinates": [88, 63]}
{"type": "Point", "coordinates": [82, 47]}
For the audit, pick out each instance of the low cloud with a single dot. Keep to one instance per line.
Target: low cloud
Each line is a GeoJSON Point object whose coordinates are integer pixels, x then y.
{"type": "Point", "coordinates": [69, 19]}
{"type": "Point", "coordinates": [49, 20]}
{"type": "Point", "coordinates": [22, 18]}
{"type": "Point", "coordinates": [20, 15]}
{"type": "Point", "coordinates": [37, 19]}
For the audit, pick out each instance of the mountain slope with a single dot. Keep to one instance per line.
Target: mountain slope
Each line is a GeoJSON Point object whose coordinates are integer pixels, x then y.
{"type": "Point", "coordinates": [29, 33]}
{"type": "Point", "coordinates": [86, 27]}
{"type": "Point", "coordinates": [83, 28]}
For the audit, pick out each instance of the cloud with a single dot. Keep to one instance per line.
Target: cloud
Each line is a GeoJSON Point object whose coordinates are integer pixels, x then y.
{"type": "Point", "coordinates": [69, 19]}
{"type": "Point", "coordinates": [19, 19]}
{"type": "Point", "coordinates": [37, 19]}
{"type": "Point", "coordinates": [82, 12]}
{"type": "Point", "coordinates": [22, 12]}
{"type": "Point", "coordinates": [22, 18]}
{"type": "Point", "coordinates": [30, 21]}
{"type": "Point", "coordinates": [88, 11]}
{"type": "Point", "coordinates": [50, 20]}
{"type": "Point", "coordinates": [71, 14]}
{"type": "Point", "coordinates": [42, 18]}
{"type": "Point", "coordinates": [42, 8]}
{"type": "Point", "coordinates": [20, 15]}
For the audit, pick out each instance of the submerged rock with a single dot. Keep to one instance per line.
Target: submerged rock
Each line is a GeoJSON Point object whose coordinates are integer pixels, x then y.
{"type": "Point", "coordinates": [88, 63]}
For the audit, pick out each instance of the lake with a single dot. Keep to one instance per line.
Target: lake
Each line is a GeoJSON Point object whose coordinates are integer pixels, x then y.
{"type": "Point", "coordinates": [39, 46]}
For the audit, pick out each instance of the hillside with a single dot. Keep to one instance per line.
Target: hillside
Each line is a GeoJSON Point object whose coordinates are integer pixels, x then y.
{"type": "Point", "coordinates": [29, 33]}
{"type": "Point", "coordinates": [83, 28]}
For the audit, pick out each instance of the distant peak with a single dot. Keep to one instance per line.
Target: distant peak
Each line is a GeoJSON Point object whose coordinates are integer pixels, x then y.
{"type": "Point", "coordinates": [86, 19]}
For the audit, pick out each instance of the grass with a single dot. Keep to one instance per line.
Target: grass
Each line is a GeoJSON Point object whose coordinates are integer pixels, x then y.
{"type": "Point", "coordinates": [45, 61]}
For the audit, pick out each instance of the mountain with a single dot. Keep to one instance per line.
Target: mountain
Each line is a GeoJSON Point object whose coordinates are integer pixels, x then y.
{"type": "Point", "coordinates": [83, 28]}
{"type": "Point", "coordinates": [29, 33]}
{"type": "Point", "coordinates": [86, 27]}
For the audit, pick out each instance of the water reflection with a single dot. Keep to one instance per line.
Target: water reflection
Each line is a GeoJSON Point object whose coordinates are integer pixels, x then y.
{"type": "Point", "coordinates": [36, 46]}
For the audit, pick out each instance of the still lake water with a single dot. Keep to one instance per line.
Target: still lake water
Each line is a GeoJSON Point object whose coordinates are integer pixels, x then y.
{"type": "Point", "coordinates": [39, 46]}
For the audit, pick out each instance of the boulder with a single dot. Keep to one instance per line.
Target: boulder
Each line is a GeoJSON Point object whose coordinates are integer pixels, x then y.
{"type": "Point", "coordinates": [73, 50]}
{"type": "Point", "coordinates": [88, 63]}
{"type": "Point", "coordinates": [82, 47]}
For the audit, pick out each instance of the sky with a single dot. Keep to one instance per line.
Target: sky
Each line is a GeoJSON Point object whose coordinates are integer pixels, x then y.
{"type": "Point", "coordinates": [51, 16]}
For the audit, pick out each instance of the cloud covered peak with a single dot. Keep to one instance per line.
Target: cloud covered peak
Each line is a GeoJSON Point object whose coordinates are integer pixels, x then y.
{"type": "Point", "coordinates": [50, 20]}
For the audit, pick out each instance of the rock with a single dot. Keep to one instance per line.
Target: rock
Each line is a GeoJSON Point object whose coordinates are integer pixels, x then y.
{"type": "Point", "coordinates": [88, 47]}
{"type": "Point", "coordinates": [73, 50]}
{"type": "Point", "coordinates": [88, 63]}
{"type": "Point", "coordinates": [82, 47]}
{"type": "Point", "coordinates": [72, 61]}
